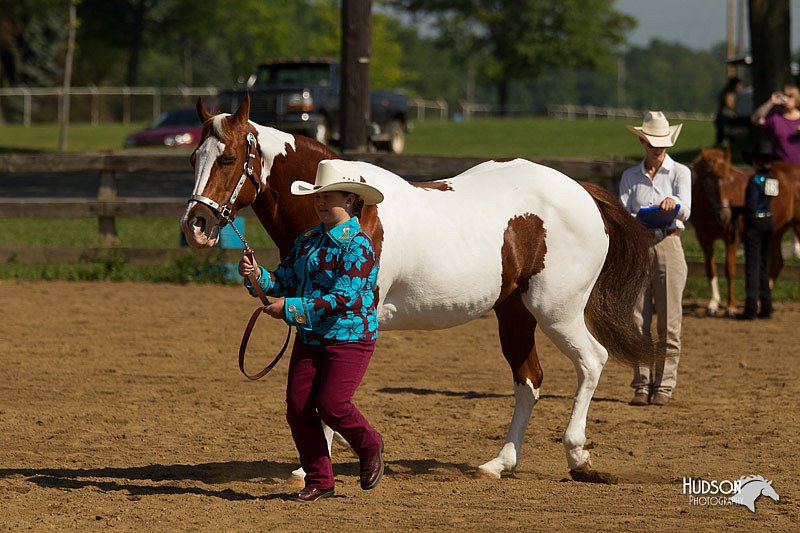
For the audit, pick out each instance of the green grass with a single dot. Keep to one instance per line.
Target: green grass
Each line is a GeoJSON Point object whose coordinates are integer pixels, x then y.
{"type": "Point", "coordinates": [523, 137]}
{"type": "Point", "coordinates": [544, 137]}
{"type": "Point", "coordinates": [80, 137]}
{"type": "Point", "coordinates": [133, 233]}
{"type": "Point", "coordinates": [199, 267]}
{"type": "Point", "coordinates": [697, 287]}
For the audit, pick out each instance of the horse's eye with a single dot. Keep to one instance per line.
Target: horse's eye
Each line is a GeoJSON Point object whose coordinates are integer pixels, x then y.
{"type": "Point", "coordinates": [227, 159]}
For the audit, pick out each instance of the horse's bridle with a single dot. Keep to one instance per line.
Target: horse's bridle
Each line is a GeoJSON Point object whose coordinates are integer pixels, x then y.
{"type": "Point", "coordinates": [224, 211]}
{"type": "Point", "coordinates": [718, 204]}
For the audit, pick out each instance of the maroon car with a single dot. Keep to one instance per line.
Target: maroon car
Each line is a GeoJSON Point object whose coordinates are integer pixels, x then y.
{"type": "Point", "coordinates": [175, 127]}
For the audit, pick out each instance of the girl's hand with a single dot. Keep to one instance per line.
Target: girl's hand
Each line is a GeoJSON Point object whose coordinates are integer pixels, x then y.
{"type": "Point", "coordinates": [668, 204]}
{"type": "Point", "coordinates": [275, 309]}
{"type": "Point", "coordinates": [248, 265]}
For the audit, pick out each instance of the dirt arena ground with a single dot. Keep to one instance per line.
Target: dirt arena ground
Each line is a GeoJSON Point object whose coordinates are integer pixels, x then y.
{"type": "Point", "coordinates": [122, 407]}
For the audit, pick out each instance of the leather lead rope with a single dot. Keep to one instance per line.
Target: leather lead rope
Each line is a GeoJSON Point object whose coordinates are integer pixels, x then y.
{"type": "Point", "coordinates": [251, 324]}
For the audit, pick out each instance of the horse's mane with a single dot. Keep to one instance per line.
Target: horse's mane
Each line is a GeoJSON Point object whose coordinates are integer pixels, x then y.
{"type": "Point", "coordinates": [747, 479]}
{"type": "Point", "coordinates": [712, 160]}
{"type": "Point", "coordinates": [219, 126]}
{"type": "Point", "coordinates": [315, 146]}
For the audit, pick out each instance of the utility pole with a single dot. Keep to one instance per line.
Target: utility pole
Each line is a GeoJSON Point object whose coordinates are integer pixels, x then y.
{"type": "Point", "coordinates": [769, 39]}
{"type": "Point", "coordinates": [731, 48]}
{"type": "Point", "coordinates": [355, 95]}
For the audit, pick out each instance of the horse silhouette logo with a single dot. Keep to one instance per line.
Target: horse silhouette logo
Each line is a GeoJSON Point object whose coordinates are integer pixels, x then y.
{"type": "Point", "coordinates": [750, 488]}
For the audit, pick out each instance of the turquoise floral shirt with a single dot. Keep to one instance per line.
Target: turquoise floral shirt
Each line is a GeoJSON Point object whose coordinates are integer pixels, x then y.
{"type": "Point", "coordinates": [328, 280]}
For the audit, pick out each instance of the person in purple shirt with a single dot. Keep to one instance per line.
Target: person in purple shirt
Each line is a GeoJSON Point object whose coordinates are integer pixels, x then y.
{"type": "Point", "coordinates": [780, 118]}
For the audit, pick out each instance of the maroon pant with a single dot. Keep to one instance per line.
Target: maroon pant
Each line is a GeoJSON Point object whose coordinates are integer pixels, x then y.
{"type": "Point", "coordinates": [322, 381]}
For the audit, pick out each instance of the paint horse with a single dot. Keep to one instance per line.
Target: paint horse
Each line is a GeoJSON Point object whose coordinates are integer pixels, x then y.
{"type": "Point", "coordinates": [718, 192]}
{"type": "Point", "coordinates": [724, 187]}
{"type": "Point", "coordinates": [507, 235]}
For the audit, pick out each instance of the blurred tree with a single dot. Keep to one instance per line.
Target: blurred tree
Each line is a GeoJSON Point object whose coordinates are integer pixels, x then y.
{"type": "Point", "coordinates": [112, 51]}
{"type": "Point", "coordinates": [172, 42]}
{"type": "Point", "coordinates": [32, 39]}
{"type": "Point", "coordinates": [672, 77]}
{"type": "Point", "coordinates": [32, 42]}
{"type": "Point", "coordinates": [506, 40]}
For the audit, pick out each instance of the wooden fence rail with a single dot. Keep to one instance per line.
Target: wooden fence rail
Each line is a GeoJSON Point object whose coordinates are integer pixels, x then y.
{"type": "Point", "coordinates": [106, 205]}
{"type": "Point", "coordinates": [415, 166]}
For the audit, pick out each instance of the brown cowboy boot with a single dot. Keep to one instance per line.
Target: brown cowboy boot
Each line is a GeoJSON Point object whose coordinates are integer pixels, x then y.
{"type": "Point", "coordinates": [372, 469]}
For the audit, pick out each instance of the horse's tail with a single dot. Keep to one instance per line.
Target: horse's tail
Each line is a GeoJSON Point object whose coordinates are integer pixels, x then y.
{"type": "Point", "coordinates": [627, 269]}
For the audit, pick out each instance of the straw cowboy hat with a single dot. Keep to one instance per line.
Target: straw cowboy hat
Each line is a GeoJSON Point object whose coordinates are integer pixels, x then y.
{"type": "Point", "coordinates": [656, 130]}
{"type": "Point", "coordinates": [338, 175]}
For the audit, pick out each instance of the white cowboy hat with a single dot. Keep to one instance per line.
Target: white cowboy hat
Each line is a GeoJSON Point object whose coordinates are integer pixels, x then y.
{"type": "Point", "coordinates": [656, 130]}
{"type": "Point", "coordinates": [339, 175]}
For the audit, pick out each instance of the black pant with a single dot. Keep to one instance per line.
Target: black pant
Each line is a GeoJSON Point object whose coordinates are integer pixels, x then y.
{"type": "Point", "coordinates": [757, 235]}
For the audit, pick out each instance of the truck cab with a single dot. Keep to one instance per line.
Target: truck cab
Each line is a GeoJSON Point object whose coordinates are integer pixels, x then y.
{"type": "Point", "coordinates": [302, 96]}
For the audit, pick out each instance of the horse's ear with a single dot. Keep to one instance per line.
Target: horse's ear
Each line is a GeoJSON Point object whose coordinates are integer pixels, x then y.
{"type": "Point", "coordinates": [243, 113]}
{"type": "Point", "coordinates": [202, 111]}
{"type": "Point", "coordinates": [728, 153]}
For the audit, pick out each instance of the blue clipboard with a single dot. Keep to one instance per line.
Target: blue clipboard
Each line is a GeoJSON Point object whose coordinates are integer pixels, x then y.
{"type": "Point", "coordinates": [654, 217]}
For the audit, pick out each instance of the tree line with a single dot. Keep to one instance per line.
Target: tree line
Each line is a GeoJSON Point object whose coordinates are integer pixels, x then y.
{"type": "Point", "coordinates": [516, 54]}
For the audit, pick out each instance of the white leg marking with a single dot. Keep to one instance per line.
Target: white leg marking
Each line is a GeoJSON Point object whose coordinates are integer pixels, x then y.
{"type": "Point", "coordinates": [589, 357]}
{"type": "Point", "coordinates": [713, 304]}
{"type": "Point", "coordinates": [525, 397]}
{"type": "Point", "coordinates": [300, 473]}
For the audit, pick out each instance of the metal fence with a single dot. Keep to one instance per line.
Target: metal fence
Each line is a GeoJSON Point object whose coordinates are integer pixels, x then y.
{"type": "Point", "coordinates": [27, 105]}
{"type": "Point", "coordinates": [588, 112]}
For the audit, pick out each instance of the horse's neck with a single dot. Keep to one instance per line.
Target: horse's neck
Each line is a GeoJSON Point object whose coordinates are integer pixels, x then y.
{"type": "Point", "coordinates": [281, 213]}
{"type": "Point", "coordinates": [736, 186]}
{"type": "Point", "coordinates": [281, 234]}
{"type": "Point", "coordinates": [752, 490]}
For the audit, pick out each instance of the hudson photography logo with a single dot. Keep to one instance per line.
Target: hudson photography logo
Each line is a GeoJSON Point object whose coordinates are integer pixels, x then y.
{"type": "Point", "coordinates": [743, 491]}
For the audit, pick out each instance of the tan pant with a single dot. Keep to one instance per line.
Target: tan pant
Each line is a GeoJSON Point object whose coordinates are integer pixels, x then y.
{"type": "Point", "coordinates": [663, 296]}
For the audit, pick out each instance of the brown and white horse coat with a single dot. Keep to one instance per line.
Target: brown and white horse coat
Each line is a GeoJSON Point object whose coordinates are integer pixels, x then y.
{"type": "Point", "coordinates": [510, 236]}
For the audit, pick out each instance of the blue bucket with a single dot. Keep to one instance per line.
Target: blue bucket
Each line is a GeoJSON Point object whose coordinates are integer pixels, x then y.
{"type": "Point", "coordinates": [228, 239]}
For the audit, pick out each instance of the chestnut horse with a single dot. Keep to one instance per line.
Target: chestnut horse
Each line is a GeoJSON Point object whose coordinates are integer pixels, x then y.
{"type": "Point", "coordinates": [718, 193]}
{"type": "Point", "coordinates": [724, 187]}
{"type": "Point", "coordinates": [507, 235]}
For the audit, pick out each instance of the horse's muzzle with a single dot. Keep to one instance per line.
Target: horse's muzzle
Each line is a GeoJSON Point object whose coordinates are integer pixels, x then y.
{"type": "Point", "coordinates": [725, 215]}
{"type": "Point", "coordinates": [200, 226]}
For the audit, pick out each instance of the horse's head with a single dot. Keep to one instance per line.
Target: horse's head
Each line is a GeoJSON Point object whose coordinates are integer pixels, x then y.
{"type": "Point", "coordinates": [239, 163]}
{"type": "Point", "coordinates": [768, 491]}
{"type": "Point", "coordinates": [712, 167]}
{"type": "Point", "coordinates": [227, 168]}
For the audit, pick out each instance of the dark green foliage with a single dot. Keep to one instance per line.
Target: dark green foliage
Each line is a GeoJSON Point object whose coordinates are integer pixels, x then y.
{"type": "Point", "coordinates": [507, 40]}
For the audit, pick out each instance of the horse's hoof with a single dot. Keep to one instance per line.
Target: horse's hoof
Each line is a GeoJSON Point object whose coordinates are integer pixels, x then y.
{"type": "Point", "coordinates": [296, 481]}
{"type": "Point", "coordinates": [486, 474]}
{"type": "Point", "coordinates": [730, 314]}
{"type": "Point", "coordinates": [593, 476]}
{"type": "Point", "coordinates": [711, 312]}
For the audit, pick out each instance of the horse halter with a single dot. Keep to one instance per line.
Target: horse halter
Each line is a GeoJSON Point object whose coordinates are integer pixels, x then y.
{"type": "Point", "coordinates": [224, 211]}
{"type": "Point", "coordinates": [711, 178]}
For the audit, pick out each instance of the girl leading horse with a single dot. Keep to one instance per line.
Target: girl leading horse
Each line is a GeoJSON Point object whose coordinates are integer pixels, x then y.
{"type": "Point", "coordinates": [508, 235]}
